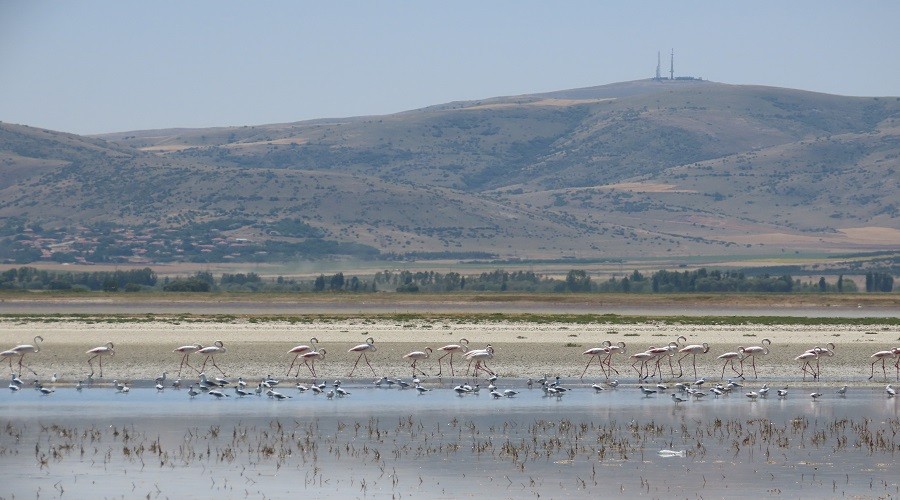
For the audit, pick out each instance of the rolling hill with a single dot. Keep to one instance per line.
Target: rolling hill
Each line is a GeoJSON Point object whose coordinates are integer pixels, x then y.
{"type": "Point", "coordinates": [635, 169]}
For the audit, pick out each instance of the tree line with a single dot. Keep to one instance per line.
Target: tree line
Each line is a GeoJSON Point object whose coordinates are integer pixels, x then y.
{"type": "Point", "coordinates": [404, 281]}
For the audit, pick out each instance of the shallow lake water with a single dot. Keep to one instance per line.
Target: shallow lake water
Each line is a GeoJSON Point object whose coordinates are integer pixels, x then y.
{"type": "Point", "coordinates": [387, 442]}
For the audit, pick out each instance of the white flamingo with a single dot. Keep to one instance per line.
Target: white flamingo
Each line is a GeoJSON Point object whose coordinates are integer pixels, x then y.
{"type": "Point", "coordinates": [99, 352]}
{"type": "Point", "coordinates": [731, 357]}
{"type": "Point", "coordinates": [882, 356]}
{"type": "Point", "coordinates": [693, 349]}
{"type": "Point", "coordinates": [186, 351]}
{"type": "Point", "coordinates": [451, 349]}
{"type": "Point", "coordinates": [24, 349]}
{"type": "Point", "coordinates": [479, 357]}
{"type": "Point", "coordinates": [217, 348]}
{"type": "Point", "coordinates": [299, 351]}
{"type": "Point", "coordinates": [310, 358]}
{"type": "Point", "coordinates": [417, 356]}
{"type": "Point", "coordinates": [362, 349]}
{"type": "Point", "coordinates": [753, 351]}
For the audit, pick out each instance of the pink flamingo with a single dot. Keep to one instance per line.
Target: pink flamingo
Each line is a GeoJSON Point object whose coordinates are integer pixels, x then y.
{"type": "Point", "coordinates": [828, 351]}
{"type": "Point", "coordinates": [417, 356]}
{"type": "Point", "coordinates": [730, 357]}
{"type": "Point", "coordinates": [618, 348]}
{"type": "Point", "coordinates": [24, 349]}
{"type": "Point", "coordinates": [480, 356]}
{"type": "Point", "coordinates": [883, 356]}
{"type": "Point", "coordinates": [805, 359]}
{"type": "Point", "coordinates": [643, 358]}
{"type": "Point", "coordinates": [99, 352]}
{"type": "Point", "coordinates": [753, 351]}
{"type": "Point", "coordinates": [187, 350]}
{"type": "Point", "coordinates": [450, 349]}
{"type": "Point", "coordinates": [210, 352]}
{"type": "Point", "coordinates": [310, 358]}
{"type": "Point", "coordinates": [595, 353]}
{"type": "Point", "coordinates": [693, 349]}
{"type": "Point", "coordinates": [299, 351]}
{"type": "Point", "coordinates": [362, 349]}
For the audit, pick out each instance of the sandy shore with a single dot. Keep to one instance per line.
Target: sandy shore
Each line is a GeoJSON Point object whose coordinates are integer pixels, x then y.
{"type": "Point", "coordinates": [523, 349]}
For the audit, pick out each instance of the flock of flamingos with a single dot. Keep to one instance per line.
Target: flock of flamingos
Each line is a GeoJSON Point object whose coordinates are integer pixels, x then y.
{"type": "Point", "coordinates": [642, 362]}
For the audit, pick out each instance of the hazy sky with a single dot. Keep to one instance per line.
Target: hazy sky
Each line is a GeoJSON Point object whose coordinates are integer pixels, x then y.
{"type": "Point", "coordinates": [106, 66]}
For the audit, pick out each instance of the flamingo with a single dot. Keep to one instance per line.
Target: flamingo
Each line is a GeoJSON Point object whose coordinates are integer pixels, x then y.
{"type": "Point", "coordinates": [9, 355]}
{"type": "Point", "coordinates": [416, 356]}
{"type": "Point", "coordinates": [673, 347]}
{"type": "Point", "coordinates": [595, 353]}
{"type": "Point", "coordinates": [99, 352]}
{"type": "Point", "coordinates": [730, 357]}
{"type": "Point", "coordinates": [299, 351]}
{"type": "Point", "coordinates": [309, 359]}
{"type": "Point", "coordinates": [479, 356]}
{"type": "Point", "coordinates": [449, 350]}
{"type": "Point", "coordinates": [881, 356]}
{"type": "Point", "coordinates": [642, 358]}
{"type": "Point", "coordinates": [752, 351]}
{"type": "Point", "coordinates": [828, 350]}
{"type": "Point", "coordinates": [187, 350]}
{"type": "Point", "coordinates": [618, 348]}
{"type": "Point", "coordinates": [669, 349]}
{"type": "Point", "coordinates": [693, 349]}
{"type": "Point", "coordinates": [24, 349]}
{"type": "Point", "coordinates": [217, 348]}
{"type": "Point", "coordinates": [805, 359]}
{"type": "Point", "coordinates": [362, 349]}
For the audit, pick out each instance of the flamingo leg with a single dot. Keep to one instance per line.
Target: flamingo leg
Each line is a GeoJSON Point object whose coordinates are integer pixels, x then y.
{"type": "Point", "coordinates": [440, 369]}
{"type": "Point", "coordinates": [609, 365]}
{"type": "Point", "coordinates": [680, 369]}
{"type": "Point", "coordinates": [413, 365]}
{"type": "Point", "coordinates": [213, 359]}
{"type": "Point", "coordinates": [723, 369]}
{"type": "Point", "coordinates": [101, 365]}
{"type": "Point", "coordinates": [92, 365]}
{"type": "Point", "coordinates": [292, 366]}
{"type": "Point", "coordinates": [873, 369]}
{"type": "Point", "coordinates": [589, 364]}
{"type": "Point", "coordinates": [21, 359]}
{"type": "Point", "coordinates": [183, 359]}
{"type": "Point", "coordinates": [695, 367]}
{"type": "Point", "coordinates": [639, 372]}
{"type": "Point", "coordinates": [753, 359]}
{"type": "Point", "coordinates": [311, 367]}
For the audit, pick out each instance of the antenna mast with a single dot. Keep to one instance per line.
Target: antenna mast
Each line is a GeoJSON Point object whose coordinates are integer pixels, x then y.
{"type": "Point", "coordinates": [672, 66]}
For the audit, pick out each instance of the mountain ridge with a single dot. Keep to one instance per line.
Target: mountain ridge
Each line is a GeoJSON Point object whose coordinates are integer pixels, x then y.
{"type": "Point", "coordinates": [641, 168]}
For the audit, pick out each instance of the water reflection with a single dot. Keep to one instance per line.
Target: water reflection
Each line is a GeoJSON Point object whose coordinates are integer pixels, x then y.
{"type": "Point", "coordinates": [389, 442]}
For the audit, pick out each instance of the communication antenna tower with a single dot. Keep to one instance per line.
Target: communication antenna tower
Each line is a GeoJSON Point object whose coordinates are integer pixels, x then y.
{"type": "Point", "coordinates": [672, 66]}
